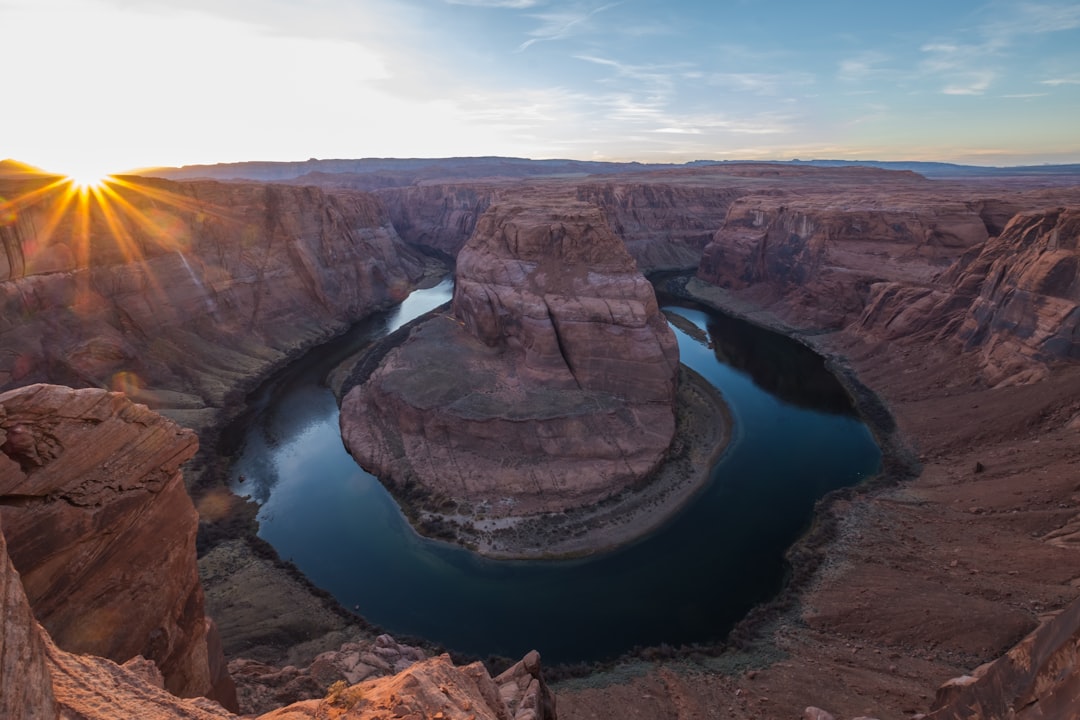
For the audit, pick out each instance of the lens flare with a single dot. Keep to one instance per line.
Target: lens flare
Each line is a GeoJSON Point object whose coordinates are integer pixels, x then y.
{"type": "Point", "coordinates": [88, 180]}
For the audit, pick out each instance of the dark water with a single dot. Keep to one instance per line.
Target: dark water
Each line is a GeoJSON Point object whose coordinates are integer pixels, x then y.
{"type": "Point", "coordinates": [795, 439]}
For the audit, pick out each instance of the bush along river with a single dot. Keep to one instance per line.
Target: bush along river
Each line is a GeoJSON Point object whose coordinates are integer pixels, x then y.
{"type": "Point", "coordinates": [795, 438]}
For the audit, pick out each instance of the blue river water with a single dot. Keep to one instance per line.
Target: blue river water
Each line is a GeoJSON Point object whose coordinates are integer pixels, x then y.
{"type": "Point", "coordinates": [795, 438]}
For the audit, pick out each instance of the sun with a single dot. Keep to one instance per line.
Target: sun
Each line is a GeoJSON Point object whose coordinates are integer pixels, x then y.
{"type": "Point", "coordinates": [85, 177]}
{"type": "Point", "coordinates": [88, 179]}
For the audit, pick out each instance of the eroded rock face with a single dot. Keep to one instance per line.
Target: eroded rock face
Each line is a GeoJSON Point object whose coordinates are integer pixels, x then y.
{"type": "Point", "coordinates": [25, 684]}
{"type": "Point", "coordinates": [1038, 678]}
{"type": "Point", "coordinates": [181, 293]}
{"type": "Point", "coordinates": [821, 255]}
{"type": "Point", "coordinates": [1015, 300]}
{"type": "Point", "coordinates": [438, 217]}
{"type": "Point", "coordinates": [551, 386]}
{"type": "Point", "coordinates": [665, 226]}
{"type": "Point", "coordinates": [100, 526]}
{"type": "Point", "coordinates": [435, 688]}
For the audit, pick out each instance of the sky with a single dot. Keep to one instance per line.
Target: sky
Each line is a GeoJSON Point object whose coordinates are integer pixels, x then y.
{"type": "Point", "coordinates": [112, 85]}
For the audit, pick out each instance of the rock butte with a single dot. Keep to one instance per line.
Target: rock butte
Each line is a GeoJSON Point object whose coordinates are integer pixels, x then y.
{"type": "Point", "coordinates": [969, 338]}
{"type": "Point", "coordinates": [550, 386]}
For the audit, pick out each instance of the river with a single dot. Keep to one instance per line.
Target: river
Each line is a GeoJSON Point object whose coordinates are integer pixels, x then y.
{"type": "Point", "coordinates": [795, 438]}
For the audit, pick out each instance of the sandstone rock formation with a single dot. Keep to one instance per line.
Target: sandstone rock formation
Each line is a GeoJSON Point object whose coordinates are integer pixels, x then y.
{"type": "Point", "coordinates": [438, 217]}
{"type": "Point", "coordinates": [1038, 678]}
{"type": "Point", "coordinates": [100, 526]}
{"type": "Point", "coordinates": [1014, 299]}
{"type": "Point", "coordinates": [665, 223]}
{"type": "Point", "coordinates": [183, 294]}
{"type": "Point", "coordinates": [39, 681]}
{"type": "Point", "coordinates": [822, 254]}
{"type": "Point", "coordinates": [25, 684]}
{"type": "Point", "coordinates": [436, 689]}
{"type": "Point", "coordinates": [262, 688]}
{"type": "Point", "coordinates": [550, 387]}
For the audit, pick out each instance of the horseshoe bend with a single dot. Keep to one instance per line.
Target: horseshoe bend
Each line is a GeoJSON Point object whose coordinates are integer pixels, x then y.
{"type": "Point", "coordinates": [948, 308]}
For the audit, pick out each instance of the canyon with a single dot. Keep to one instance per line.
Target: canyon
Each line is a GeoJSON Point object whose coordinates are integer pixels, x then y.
{"type": "Point", "coordinates": [548, 387]}
{"type": "Point", "coordinates": [953, 302]}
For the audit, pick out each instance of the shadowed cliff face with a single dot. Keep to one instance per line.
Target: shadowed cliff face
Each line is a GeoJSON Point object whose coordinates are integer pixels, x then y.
{"type": "Point", "coordinates": [438, 218]}
{"type": "Point", "coordinates": [114, 575]}
{"type": "Point", "coordinates": [665, 226]}
{"type": "Point", "coordinates": [186, 290]}
{"type": "Point", "coordinates": [552, 386]}
{"type": "Point", "coordinates": [1014, 300]}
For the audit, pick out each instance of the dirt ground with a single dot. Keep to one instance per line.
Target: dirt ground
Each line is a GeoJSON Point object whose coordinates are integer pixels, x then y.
{"type": "Point", "coordinates": [923, 580]}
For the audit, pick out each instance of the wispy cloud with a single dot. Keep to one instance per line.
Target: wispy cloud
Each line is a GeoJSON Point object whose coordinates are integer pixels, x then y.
{"type": "Point", "coordinates": [760, 83]}
{"type": "Point", "coordinates": [561, 24]}
{"type": "Point", "coordinates": [658, 77]}
{"type": "Point", "coordinates": [513, 4]}
{"type": "Point", "coordinates": [973, 84]}
{"type": "Point", "coordinates": [1061, 81]}
{"type": "Point", "coordinates": [862, 67]}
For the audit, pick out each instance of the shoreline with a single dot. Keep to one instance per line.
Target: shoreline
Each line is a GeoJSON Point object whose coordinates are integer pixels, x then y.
{"type": "Point", "coordinates": [703, 434]}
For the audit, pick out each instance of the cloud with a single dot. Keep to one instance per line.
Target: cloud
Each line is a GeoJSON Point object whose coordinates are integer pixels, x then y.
{"type": "Point", "coordinates": [512, 4]}
{"type": "Point", "coordinates": [760, 83]}
{"type": "Point", "coordinates": [974, 84]}
{"type": "Point", "coordinates": [1061, 81]}
{"type": "Point", "coordinates": [562, 24]}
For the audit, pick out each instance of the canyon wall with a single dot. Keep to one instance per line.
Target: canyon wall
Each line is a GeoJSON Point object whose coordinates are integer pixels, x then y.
{"type": "Point", "coordinates": [551, 386]}
{"type": "Point", "coordinates": [439, 218]}
{"type": "Point", "coordinates": [114, 574]}
{"type": "Point", "coordinates": [665, 225]}
{"type": "Point", "coordinates": [819, 255]}
{"type": "Point", "coordinates": [181, 294]}
{"type": "Point", "coordinates": [1014, 300]}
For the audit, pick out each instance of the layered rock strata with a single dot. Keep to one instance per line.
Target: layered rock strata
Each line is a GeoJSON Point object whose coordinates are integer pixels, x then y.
{"type": "Point", "coordinates": [1014, 299]}
{"type": "Point", "coordinates": [181, 294]}
{"type": "Point", "coordinates": [665, 225]}
{"type": "Point", "coordinates": [550, 386]}
{"type": "Point", "coordinates": [25, 683]}
{"type": "Point", "coordinates": [101, 528]}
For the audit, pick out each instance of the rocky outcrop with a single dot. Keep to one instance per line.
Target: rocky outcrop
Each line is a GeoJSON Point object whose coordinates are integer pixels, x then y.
{"type": "Point", "coordinates": [182, 294]}
{"type": "Point", "coordinates": [1039, 678]}
{"type": "Point", "coordinates": [114, 574]}
{"type": "Point", "coordinates": [665, 225]}
{"type": "Point", "coordinates": [435, 688]}
{"type": "Point", "coordinates": [1014, 300]}
{"type": "Point", "coordinates": [262, 688]}
{"type": "Point", "coordinates": [551, 386]}
{"type": "Point", "coordinates": [25, 684]}
{"type": "Point", "coordinates": [438, 218]}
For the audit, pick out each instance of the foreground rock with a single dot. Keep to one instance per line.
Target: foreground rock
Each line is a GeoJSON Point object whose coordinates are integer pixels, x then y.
{"type": "Point", "coordinates": [551, 386]}
{"type": "Point", "coordinates": [25, 684]}
{"type": "Point", "coordinates": [101, 528]}
{"type": "Point", "coordinates": [39, 681]}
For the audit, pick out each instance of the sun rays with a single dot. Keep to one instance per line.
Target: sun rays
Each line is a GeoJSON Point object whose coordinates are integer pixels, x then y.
{"type": "Point", "coordinates": [67, 227]}
{"type": "Point", "coordinates": [92, 217]}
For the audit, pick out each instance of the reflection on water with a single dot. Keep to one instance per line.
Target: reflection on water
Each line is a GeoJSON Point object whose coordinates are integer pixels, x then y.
{"type": "Point", "coordinates": [689, 581]}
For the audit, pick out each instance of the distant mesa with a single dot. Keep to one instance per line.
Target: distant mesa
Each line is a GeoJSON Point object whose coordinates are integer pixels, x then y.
{"type": "Point", "coordinates": [549, 386]}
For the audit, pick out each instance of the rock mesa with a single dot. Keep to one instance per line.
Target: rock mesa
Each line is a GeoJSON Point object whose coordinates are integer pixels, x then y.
{"type": "Point", "coordinates": [550, 386]}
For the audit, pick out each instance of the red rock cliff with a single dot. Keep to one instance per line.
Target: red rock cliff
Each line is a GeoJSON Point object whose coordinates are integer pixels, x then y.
{"type": "Point", "coordinates": [189, 290]}
{"type": "Point", "coordinates": [1015, 300]}
{"type": "Point", "coordinates": [101, 528]}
